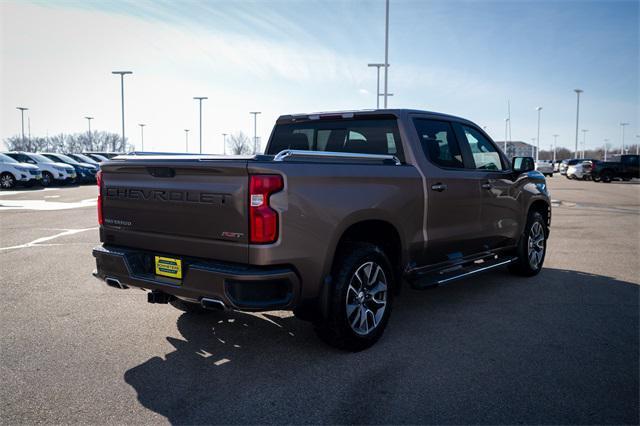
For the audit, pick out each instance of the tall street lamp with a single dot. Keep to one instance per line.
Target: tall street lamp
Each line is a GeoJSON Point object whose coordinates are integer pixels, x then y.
{"type": "Point", "coordinates": [255, 127]}
{"type": "Point", "coordinates": [578, 91]}
{"type": "Point", "coordinates": [606, 147]}
{"type": "Point", "coordinates": [121, 74]}
{"type": "Point", "coordinates": [555, 144]}
{"type": "Point", "coordinates": [506, 129]}
{"type": "Point", "coordinates": [89, 123]}
{"type": "Point", "coordinates": [186, 140]}
{"type": "Point", "coordinates": [224, 144]}
{"type": "Point", "coordinates": [584, 141]}
{"type": "Point", "coordinates": [22, 110]}
{"type": "Point", "coordinates": [538, 137]}
{"type": "Point", "coordinates": [378, 66]}
{"type": "Point", "coordinates": [200, 99]}
{"type": "Point", "coordinates": [142, 134]}
{"type": "Point", "coordinates": [638, 145]}
{"type": "Point", "coordinates": [623, 126]}
{"type": "Point", "coordinates": [386, 54]}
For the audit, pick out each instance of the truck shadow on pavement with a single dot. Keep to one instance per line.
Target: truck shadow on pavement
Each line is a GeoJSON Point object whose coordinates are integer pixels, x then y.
{"type": "Point", "coordinates": [558, 348]}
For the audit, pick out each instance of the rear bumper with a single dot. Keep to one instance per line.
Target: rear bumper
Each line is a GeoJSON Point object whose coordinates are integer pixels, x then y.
{"type": "Point", "coordinates": [242, 287]}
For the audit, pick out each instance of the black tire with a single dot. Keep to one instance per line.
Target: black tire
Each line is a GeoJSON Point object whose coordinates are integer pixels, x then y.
{"type": "Point", "coordinates": [523, 265]}
{"type": "Point", "coordinates": [606, 176]}
{"type": "Point", "coordinates": [350, 330]}
{"type": "Point", "coordinates": [7, 180]}
{"type": "Point", "coordinates": [595, 178]}
{"type": "Point", "coordinates": [189, 307]}
{"type": "Point", "coordinates": [47, 179]}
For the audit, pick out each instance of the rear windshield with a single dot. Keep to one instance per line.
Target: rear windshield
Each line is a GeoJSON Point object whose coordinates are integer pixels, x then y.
{"type": "Point", "coordinates": [364, 136]}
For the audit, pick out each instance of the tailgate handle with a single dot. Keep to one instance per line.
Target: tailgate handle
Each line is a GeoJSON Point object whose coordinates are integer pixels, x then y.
{"type": "Point", "coordinates": [161, 172]}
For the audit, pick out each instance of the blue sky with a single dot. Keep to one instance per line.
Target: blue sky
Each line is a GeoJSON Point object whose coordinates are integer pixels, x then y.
{"type": "Point", "coordinates": [461, 57]}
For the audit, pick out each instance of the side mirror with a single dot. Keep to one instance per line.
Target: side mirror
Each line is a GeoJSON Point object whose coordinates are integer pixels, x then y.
{"type": "Point", "coordinates": [523, 164]}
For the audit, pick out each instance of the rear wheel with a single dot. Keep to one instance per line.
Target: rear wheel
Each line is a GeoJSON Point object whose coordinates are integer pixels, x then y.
{"type": "Point", "coordinates": [606, 176]}
{"type": "Point", "coordinates": [7, 180]}
{"type": "Point", "coordinates": [532, 246]}
{"type": "Point", "coordinates": [360, 300]}
{"type": "Point", "coordinates": [47, 179]}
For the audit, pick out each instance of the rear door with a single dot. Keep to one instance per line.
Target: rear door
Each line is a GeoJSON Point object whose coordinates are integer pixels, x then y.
{"type": "Point", "coordinates": [453, 194]}
{"type": "Point", "coordinates": [188, 207]}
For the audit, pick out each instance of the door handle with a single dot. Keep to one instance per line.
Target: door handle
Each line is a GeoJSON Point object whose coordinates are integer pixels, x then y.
{"type": "Point", "coordinates": [439, 187]}
{"type": "Point", "coordinates": [487, 186]}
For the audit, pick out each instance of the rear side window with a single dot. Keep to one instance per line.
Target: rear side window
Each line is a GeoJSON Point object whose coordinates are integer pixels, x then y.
{"type": "Point", "coordinates": [364, 136]}
{"type": "Point", "coordinates": [439, 142]}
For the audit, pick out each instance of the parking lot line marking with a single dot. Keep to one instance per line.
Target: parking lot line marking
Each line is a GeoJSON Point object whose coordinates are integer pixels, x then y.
{"type": "Point", "coordinates": [39, 241]}
{"type": "Point", "coordinates": [45, 205]}
{"type": "Point", "coordinates": [35, 191]}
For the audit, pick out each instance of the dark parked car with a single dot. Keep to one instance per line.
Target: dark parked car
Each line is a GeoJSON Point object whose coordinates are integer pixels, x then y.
{"type": "Point", "coordinates": [86, 173]}
{"type": "Point", "coordinates": [341, 209]}
{"type": "Point", "coordinates": [81, 158]}
{"type": "Point", "coordinates": [625, 168]}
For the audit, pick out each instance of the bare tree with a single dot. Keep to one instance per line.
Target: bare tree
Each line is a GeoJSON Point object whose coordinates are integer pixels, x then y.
{"type": "Point", "coordinates": [240, 144]}
{"type": "Point", "coordinates": [77, 142]}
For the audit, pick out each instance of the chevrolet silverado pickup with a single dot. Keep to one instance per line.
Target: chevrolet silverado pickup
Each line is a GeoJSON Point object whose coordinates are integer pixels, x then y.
{"type": "Point", "coordinates": [340, 210]}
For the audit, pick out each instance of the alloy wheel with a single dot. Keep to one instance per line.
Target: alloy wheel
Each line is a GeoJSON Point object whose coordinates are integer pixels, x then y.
{"type": "Point", "coordinates": [7, 181]}
{"type": "Point", "coordinates": [366, 298]}
{"type": "Point", "coordinates": [536, 245]}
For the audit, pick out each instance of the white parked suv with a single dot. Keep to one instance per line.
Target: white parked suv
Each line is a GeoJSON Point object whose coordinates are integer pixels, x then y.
{"type": "Point", "coordinates": [12, 172]}
{"type": "Point", "coordinates": [51, 171]}
{"type": "Point", "coordinates": [545, 167]}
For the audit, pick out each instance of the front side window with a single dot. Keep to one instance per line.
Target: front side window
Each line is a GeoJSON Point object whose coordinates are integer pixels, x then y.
{"type": "Point", "coordinates": [439, 142]}
{"type": "Point", "coordinates": [485, 155]}
{"type": "Point", "coordinates": [364, 136]}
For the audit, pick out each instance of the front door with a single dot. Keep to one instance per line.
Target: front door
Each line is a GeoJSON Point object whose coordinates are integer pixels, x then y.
{"type": "Point", "coordinates": [500, 210]}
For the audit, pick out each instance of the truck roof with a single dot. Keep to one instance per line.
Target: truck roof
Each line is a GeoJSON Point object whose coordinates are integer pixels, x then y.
{"type": "Point", "coordinates": [398, 112]}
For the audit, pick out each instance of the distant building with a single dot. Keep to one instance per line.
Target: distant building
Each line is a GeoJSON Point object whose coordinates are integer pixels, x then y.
{"type": "Point", "coordinates": [518, 149]}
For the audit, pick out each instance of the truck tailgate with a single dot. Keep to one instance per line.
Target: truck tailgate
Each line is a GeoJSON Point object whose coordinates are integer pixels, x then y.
{"type": "Point", "coordinates": [189, 207]}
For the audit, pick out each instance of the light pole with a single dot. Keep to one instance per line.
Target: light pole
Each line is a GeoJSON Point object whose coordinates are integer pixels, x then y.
{"type": "Point", "coordinates": [386, 54]}
{"type": "Point", "coordinates": [121, 74]}
{"type": "Point", "coordinates": [22, 110]}
{"type": "Point", "coordinates": [638, 145]}
{"type": "Point", "coordinates": [623, 126]}
{"type": "Point", "coordinates": [538, 138]}
{"type": "Point", "coordinates": [255, 127]}
{"type": "Point", "coordinates": [606, 146]}
{"type": "Point", "coordinates": [506, 127]}
{"type": "Point", "coordinates": [200, 99]}
{"type": "Point", "coordinates": [224, 144]}
{"type": "Point", "coordinates": [186, 140]}
{"type": "Point", "coordinates": [89, 122]}
{"type": "Point", "coordinates": [584, 141]}
{"type": "Point", "coordinates": [377, 84]}
{"type": "Point", "coordinates": [142, 134]}
{"type": "Point", "coordinates": [578, 91]}
{"type": "Point", "coordinates": [555, 144]}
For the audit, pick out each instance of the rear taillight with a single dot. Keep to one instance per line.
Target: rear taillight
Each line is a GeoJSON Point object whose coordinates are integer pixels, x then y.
{"type": "Point", "coordinates": [99, 182]}
{"type": "Point", "coordinates": [263, 220]}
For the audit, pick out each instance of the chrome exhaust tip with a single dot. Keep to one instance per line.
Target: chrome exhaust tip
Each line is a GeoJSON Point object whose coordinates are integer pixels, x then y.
{"type": "Point", "coordinates": [214, 304]}
{"type": "Point", "coordinates": [114, 282]}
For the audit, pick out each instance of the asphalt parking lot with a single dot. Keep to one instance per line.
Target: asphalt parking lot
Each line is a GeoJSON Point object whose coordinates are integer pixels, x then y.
{"type": "Point", "coordinates": [559, 348]}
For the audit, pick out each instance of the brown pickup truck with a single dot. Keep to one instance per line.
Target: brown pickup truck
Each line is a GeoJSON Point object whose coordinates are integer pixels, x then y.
{"type": "Point", "coordinates": [340, 210]}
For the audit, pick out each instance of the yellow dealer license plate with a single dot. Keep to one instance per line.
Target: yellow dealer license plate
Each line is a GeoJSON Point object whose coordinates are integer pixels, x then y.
{"type": "Point", "coordinates": [169, 267]}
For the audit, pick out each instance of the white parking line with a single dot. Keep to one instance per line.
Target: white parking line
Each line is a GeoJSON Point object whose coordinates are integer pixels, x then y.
{"type": "Point", "coordinates": [44, 205]}
{"type": "Point", "coordinates": [33, 191]}
{"type": "Point", "coordinates": [39, 241]}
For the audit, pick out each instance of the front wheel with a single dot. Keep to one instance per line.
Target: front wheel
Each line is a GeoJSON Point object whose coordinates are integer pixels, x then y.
{"type": "Point", "coordinates": [606, 176]}
{"type": "Point", "coordinates": [7, 181]}
{"type": "Point", "coordinates": [532, 247]}
{"type": "Point", "coordinates": [360, 299]}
